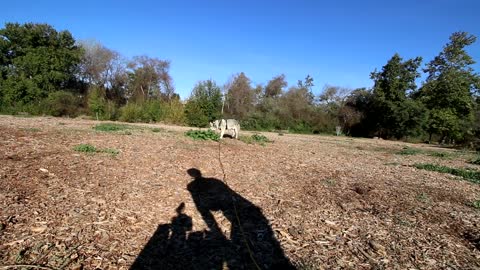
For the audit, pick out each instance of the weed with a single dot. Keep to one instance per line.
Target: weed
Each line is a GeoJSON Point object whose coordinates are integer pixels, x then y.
{"type": "Point", "coordinates": [260, 138]}
{"type": "Point", "coordinates": [86, 148]}
{"type": "Point", "coordinates": [246, 139]}
{"type": "Point", "coordinates": [110, 127]}
{"type": "Point", "coordinates": [423, 197]}
{"type": "Point", "coordinates": [330, 182]}
{"type": "Point", "coordinates": [110, 151]}
{"type": "Point", "coordinates": [32, 129]}
{"type": "Point", "coordinates": [476, 204]}
{"type": "Point", "coordinates": [202, 135]}
{"type": "Point", "coordinates": [468, 174]}
{"type": "Point", "coordinates": [392, 164]}
{"type": "Point", "coordinates": [255, 138]}
{"type": "Point", "coordinates": [440, 154]}
{"type": "Point", "coordinates": [409, 151]}
{"type": "Point", "coordinates": [156, 130]}
{"type": "Point", "coordinates": [475, 161]}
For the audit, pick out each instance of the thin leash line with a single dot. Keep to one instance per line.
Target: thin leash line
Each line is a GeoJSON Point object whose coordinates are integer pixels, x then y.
{"type": "Point", "coordinates": [235, 208]}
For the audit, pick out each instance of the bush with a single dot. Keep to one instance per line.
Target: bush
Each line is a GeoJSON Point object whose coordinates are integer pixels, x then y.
{"type": "Point", "coordinates": [131, 112]}
{"type": "Point", "coordinates": [174, 112]}
{"type": "Point", "coordinates": [152, 111]}
{"type": "Point", "coordinates": [255, 138]}
{"type": "Point", "coordinates": [62, 103]}
{"type": "Point", "coordinates": [202, 135]}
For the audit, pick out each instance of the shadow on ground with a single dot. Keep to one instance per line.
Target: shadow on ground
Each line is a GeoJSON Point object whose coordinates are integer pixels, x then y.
{"type": "Point", "coordinates": [249, 246]}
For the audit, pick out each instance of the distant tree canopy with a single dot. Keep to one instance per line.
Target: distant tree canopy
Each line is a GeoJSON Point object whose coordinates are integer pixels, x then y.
{"type": "Point", "coordinates": [35, 61]}
{"type": "Point", "coordinates": [204, 104]}
{"type": "Point", "coordinates": [45, 71]}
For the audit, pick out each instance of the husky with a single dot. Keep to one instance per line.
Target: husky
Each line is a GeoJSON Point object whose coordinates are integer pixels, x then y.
{"type": "Point", "coordinates": [231, 126]}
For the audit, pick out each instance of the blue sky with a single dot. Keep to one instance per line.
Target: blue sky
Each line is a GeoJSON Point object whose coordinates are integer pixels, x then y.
{"type": "Point", "coordinates": [336, 42]}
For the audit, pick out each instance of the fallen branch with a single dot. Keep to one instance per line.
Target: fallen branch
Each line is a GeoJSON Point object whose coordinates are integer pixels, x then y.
{"type": "Point", "coordinates": [26, 265]}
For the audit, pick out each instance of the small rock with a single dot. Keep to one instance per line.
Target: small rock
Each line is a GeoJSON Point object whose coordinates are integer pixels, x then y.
{"type": "Point", "coordinates": [39, 229]}
{"type": "Point", "coordinates": [43, 170]}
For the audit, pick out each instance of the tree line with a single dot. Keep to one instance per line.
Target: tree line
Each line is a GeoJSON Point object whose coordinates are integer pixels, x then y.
{"type": "Point", "coordinates": [45, 71]}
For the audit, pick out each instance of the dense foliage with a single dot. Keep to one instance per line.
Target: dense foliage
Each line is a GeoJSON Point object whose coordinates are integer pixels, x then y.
{"type": "Point", "coordinates": [45, 71]}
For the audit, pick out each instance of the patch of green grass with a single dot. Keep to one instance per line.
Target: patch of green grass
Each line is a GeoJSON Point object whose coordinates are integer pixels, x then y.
{"type": "Point", "coordinates": [255, 138]}
{"type": "Point", "coordinates": [111, 127]}
{"type": "Point", "coordinates": [476, 204]}
{"type": "Point", "coordinates": [32, 129]}
{"type": "Point", "coordinates": [330, 182]}
{"type": "Point", "coordinates": [468, 174]}
{"type": "Point", "coordinates": [110, 151]}
{"type": "Point", "coordinates": [85, 148]}
{"type": "Point", "coordinates": [157, 130]}
{"type": "Point", "coordinates": [440, 154]}
{"type": "Point", "coordinates": [475, 161]}
{"type": "Point", "coordinates": [90, 149]}
{"type": "Point", "coordinates": [392, 164]}
{"type": "Point", "coordinates": [408, 151]}
{"type": "Point", "coordinates": [423, 197]}
{"type": "Point", "coordinates": [202, 135]}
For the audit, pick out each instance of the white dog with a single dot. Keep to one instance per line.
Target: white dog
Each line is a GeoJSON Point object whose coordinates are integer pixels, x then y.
{"type": "Point", "coordinates": [231, 126]}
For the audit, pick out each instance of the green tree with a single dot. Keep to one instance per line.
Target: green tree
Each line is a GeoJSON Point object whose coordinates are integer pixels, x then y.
{"type": "Point", "coordinates": [208, 96]}
{"type": "Point", "coordinates": [240, 98]}
{"type": "Point", "coordinates": [96, 101]}
{"type": "Point", "coordinates": [395, 113]}
{"type": "Point", "coordinates": [35, 60]}
{"type": "Point", "coordinates": [275, 86]}
{"type": "Point", "coordinates": [449, 88]}
{"type": "Point", "coordinates": [149, 78]}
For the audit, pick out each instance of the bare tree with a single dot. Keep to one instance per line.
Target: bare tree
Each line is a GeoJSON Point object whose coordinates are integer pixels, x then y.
{"type": "Point", "coordinates": [240, 96]}
{"type": "Point", "coordinates": [149, 77]}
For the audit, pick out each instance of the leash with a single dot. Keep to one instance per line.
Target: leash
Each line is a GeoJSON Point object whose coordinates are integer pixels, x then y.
{"type": "Point", "coordinates": [245, 240]}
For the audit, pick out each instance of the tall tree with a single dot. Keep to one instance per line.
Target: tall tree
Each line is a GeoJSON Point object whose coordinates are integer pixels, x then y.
{"type": "Point", "coordinates": [240, 97]}
{"type": "Point", "coordinates": [208, 96]}
{"type": "Point", "coordinates": [448, 91]}
{"type": "Point", "coordinates": [149, 77]}
{"type": "Point", "coordinates": [275, 86]}
{"type": "Point", "coordinates": [396, 114]}
{"type": "Point", "coordinates": [35, 60]}
{"type": "Point", "coordinates": [103, 68]}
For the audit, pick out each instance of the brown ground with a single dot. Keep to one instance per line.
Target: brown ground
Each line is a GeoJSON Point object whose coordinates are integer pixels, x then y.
{"type": "Point", "coordinates": [327, 202]}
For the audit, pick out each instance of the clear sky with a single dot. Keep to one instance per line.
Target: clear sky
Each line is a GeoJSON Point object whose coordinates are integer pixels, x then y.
{"type": "Point", "coordinates": [336, 42]}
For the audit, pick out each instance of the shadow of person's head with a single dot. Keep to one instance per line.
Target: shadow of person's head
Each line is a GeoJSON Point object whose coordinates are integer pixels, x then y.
{"type": "Point", "coordinates": [194, 173]}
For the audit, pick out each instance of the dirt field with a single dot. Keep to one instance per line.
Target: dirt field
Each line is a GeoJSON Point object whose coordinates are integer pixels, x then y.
{"type": "Point", "coordinates": [311, 202]}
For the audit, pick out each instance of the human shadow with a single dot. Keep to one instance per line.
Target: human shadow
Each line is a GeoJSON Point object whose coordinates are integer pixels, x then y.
{"type": "Point", "coordinates": [250, 243]}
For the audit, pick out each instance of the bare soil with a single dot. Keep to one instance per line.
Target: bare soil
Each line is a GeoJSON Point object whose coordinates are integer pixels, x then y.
{"type": "Point", "coordinates": [304, 201]}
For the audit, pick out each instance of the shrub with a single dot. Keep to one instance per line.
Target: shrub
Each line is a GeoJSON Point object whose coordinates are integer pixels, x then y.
{"type": "Point", "coordinates": [174, 112]}
{"type": "Point", "coordinates": [62, 103]}
{"type": "Point", "coordinates": [151, 111]}
{"type": "Point", "coordinates": [195, 115]}
{"type": "Point", "coordinates": [202, 135]}
{"type": "Point", "coordinates": [96, 102]}
{"type": "Point", "coordinates": [131, 112]}
{"type": "Point", "coordinates": [255, 138]}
